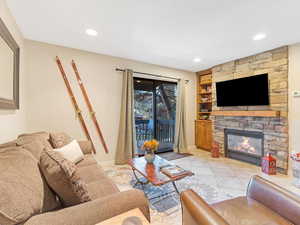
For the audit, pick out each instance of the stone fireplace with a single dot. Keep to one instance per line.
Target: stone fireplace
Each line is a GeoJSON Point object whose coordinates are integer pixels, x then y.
{"type": "Point", "coordinates": [244, 145]}
{"type": "Point", "coordinates": [274, 130]}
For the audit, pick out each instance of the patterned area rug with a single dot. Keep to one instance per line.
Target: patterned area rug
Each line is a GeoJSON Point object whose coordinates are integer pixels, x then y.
{"type": "Point", "coordinates": [214, 180]}
{"type": "Point", "coordinates": [165, 209]}
{"type": "Point", "coordinates": [170, 202]}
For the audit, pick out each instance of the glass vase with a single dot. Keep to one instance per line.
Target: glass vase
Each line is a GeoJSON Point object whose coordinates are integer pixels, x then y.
{"type": "Point", "coordinates": [149, 156]}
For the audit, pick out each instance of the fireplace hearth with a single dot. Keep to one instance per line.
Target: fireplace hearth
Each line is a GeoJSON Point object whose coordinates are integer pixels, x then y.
{"type": "Point", "coordinates": [243, 145]}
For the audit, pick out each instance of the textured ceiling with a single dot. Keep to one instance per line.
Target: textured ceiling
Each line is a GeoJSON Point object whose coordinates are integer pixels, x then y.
{"type": "Point", "coordinates": [164, 32]}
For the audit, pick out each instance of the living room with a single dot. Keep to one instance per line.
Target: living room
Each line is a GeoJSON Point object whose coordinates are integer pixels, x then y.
{"type": "Point", "coordinates": [193, 83]}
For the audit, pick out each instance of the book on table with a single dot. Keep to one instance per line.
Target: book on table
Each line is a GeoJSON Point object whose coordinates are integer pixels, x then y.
{"type": "Point", "coordinates": [172, 170]}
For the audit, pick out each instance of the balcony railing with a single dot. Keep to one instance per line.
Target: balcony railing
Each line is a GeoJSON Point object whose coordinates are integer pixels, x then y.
{"type": "Point", "coordinates": [165, 130]}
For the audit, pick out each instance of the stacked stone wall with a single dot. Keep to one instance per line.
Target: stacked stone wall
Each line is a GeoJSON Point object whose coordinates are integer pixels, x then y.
{"type": "Point", "coordinates": [275, 63]}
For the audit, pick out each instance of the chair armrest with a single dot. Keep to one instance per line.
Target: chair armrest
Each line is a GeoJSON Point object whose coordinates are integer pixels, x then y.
{"type": "Point", "coordinates": [195, 211]}
{"type": "Point", "coordinates": [275, 198]}
{"type": "Point", "coordinates": [96, 211]}
{"type": "Point", "coordinates": [86, 147]}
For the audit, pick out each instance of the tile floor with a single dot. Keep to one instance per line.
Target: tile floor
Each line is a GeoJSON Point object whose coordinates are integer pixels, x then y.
{"type": "Point", "coordinates": [215, 180]}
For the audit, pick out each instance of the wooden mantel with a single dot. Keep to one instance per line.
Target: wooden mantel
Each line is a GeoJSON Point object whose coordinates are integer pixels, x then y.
{"type": "Point", "coordinates": [268, 113]}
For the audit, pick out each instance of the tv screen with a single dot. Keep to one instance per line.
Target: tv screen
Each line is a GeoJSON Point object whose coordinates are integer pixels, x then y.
{"type": "Point", "coordinates": [248, 91]}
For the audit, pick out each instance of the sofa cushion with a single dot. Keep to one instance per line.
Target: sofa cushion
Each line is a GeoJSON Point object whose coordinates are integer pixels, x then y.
{"type": "Point", "coordinates": [87, 161]}
{"type": "Point", "coordinates": [43, 135]}
{"type": "Point", "coordinates": [62, 176]}
{"type": "Point", "coordinates": [22, 190]}
{"type": "Point", "coordinates": [60, 139]}
{"type": "Point", "coordinates": [102, 188]}
{"type": "Point", "coordinates": [86, 147]}
{"type": "Point", "coordinates": [243, 210]}
{"type": "Point", "coordinates": [9, 144]}
{"type": "Point", "coordinates": [28, 138]}
{"type": "Point", "coordinates": [91, 173]}
{"type": "Point", "coordinates": [35, 147]}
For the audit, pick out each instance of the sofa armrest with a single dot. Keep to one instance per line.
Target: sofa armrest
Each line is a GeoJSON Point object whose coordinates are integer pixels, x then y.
{"type": "Point", "coordinates": [86, 147]}
{"type": "Point", "coordinates": [195, 211]}
{"type": "Point", "coordinates": [275, 198]}
{"type": "Point", "coordinates": [96, 211]}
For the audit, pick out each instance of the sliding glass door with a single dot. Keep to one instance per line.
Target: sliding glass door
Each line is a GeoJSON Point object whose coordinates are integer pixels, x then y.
{"type": "Point", "coordinates": [143, 111]}
{"type": "Point", "coordinates": [155, 112]}
{"type": "Point", "coordinates": [165, 113]}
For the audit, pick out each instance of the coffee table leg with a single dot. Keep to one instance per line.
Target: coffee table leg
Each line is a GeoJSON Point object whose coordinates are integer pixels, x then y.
{"type": "Point", "coordinates": [176, 189]}
{"type": "Point", "coordinates": [138, 181]}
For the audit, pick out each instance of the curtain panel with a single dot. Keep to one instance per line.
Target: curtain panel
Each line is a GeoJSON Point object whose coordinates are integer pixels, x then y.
{"type": "Point", "coordinates": [180, 144]}
{"type": "Point", "coordinates": [126, 139]}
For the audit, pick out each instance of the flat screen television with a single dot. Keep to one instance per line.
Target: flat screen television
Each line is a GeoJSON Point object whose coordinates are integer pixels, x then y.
{"type": "Point", "coordinates": [248, 91]}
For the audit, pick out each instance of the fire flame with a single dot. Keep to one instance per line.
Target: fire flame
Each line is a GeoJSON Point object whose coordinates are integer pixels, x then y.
{"type": "Point", "coordinates": [245, 146]}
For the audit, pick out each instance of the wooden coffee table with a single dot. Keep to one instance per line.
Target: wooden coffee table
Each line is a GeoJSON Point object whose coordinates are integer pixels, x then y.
{"type": "Point", "coordinates": [152, 173]}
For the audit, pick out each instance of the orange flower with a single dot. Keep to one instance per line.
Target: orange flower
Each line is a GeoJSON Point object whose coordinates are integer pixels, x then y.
{"type": "Point", "coordinates": [151, 145]}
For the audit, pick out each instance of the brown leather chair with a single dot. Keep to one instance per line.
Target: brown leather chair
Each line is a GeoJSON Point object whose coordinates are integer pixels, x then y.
{"type": "Point", "coordinates": [265, 204]}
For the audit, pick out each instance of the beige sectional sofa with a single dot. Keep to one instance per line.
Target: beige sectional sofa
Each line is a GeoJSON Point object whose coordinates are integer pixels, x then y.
{"type": "Point", "coordinates": [26, 198]}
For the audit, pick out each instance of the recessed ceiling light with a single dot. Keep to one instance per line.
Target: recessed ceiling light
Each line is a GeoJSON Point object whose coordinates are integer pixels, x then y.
{"type": "Point", "coordinates": [91, 32]}
{"type": "Point", "coordinates": [259, 36]}
{"type": "Point", "coordinates": [196, 60]}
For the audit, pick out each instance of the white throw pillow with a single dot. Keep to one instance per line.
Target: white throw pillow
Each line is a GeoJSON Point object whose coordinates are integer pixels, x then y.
{"type": "Point", "coordinates": [71, 152]}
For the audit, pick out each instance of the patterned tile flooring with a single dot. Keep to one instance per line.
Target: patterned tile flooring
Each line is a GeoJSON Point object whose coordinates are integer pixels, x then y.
{"type": "Point", "coordinates": [214, 180]}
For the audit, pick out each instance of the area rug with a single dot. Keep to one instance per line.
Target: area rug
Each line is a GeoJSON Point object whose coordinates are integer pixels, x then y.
{"type": "Point", "coordinates": [200, 183]}
{"type": "Point", "coordinates": [215, 180]}
{"type": "Point", "coordinates": [208, 182]}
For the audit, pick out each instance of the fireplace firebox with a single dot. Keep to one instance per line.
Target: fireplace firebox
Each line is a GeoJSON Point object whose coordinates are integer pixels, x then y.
{"type": "Point", "coordinates": [247, 146]}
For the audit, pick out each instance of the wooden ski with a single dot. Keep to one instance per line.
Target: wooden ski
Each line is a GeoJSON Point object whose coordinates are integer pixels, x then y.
{"type": "Point", "coordinates": [74, 102]}
{"type": "Point", "coordinates": [89, 105]}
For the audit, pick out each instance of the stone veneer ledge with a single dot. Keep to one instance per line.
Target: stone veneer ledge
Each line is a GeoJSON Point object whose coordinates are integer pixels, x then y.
{"type": "Point", "coordinates": [275, 63]}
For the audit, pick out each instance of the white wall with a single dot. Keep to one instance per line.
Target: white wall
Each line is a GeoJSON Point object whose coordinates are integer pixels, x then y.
{"type": "Point", "coordinates": [13, 122]}
{"type": "Point", "coordinates": [50, 107]}
{"type": "Point", "coordinates": [294, 102]}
